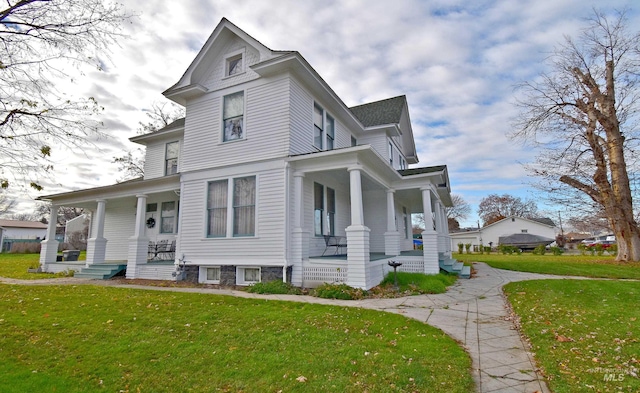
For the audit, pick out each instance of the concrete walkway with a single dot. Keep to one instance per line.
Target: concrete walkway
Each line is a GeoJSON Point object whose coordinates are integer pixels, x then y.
{"type": "Point", "coordinates": [474, 312]}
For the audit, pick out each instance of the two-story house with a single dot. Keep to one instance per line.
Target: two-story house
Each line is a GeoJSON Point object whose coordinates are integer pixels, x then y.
{"type": "Point", "coordinates": [266, 167]}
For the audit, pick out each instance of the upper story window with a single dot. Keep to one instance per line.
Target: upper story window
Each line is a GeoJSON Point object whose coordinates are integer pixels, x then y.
{"type": "Point", "coordinates": [324, 129]}
{"type": "Point", "coordinates": [233, 116]}
{"type": "Point", "coordinates": [391, 153]}
{"type": "Point", "coordinates": [354, 141]}
{"type": "Point", "coordinates": [172, 149]}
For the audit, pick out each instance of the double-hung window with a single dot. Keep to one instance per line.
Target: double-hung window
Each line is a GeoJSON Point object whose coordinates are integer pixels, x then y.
{"type": "Point", "coordinates": [318, 209]}
{"type": "Point", "coordinates": [241, 212]}
{"type": "Point", "coordinates": [324, 129]}
{"type": "Point", "coordinates": [233, 117]}
{"type": "Point", "coordinates": [172, 150]}
{"type": "Point", "coordinates": [324, 201]}
{"type": "Point", "coordinates": [167, 217]}
{"type": "Point", "coordinates": [391, 154]}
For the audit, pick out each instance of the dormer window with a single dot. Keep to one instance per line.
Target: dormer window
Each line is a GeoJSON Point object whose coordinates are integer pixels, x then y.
{"type": "Point", "coordinates": [234, 65]}
{"type": "Point", "coordinates": [172, 149]}
{"type": "Point", "coordinates": [233, 116]}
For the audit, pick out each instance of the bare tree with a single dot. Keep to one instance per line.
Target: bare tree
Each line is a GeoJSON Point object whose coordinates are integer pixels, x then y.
{"type": "Point", "coordinates": [131, 164]}
{"type": "Point", "coordinates": [6, 203]}
{"type": "Point", "coordinates": [460, 209]}
{"type": "Point", "coordinates": [43, 210]}
{"type": "Point", "coordinates": [582, 115]}
{"type": "Point", "coordinates": [40, 39]}
{"type": "Point", "coordinates": [496, 207]}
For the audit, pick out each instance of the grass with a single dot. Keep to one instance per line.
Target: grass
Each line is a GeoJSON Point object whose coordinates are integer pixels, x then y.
{"type": "Point", "coordinates": [418, 283]}
{"type": "Point", "coordinates": [16, 266]}
{"type": "Point", "coordinates": [585, 334]}
{"type": "Point", "coordinates": [572, 265]}
{"type": "Point", "coordinates": [90, 339]}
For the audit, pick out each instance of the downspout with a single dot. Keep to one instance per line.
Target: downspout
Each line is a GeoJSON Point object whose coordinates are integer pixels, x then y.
{"type": "Point", "coordinates": [287, 226]}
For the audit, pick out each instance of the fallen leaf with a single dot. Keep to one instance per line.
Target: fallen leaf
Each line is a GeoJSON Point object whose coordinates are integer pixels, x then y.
{"type": "Point", "coordinates": [301, 379]}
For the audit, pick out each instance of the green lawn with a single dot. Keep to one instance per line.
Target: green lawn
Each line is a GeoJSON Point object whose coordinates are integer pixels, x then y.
{"type": "Point", "coordinates": [91, 339]}
{"type": "Point", "coordinates": [573, 265]}
{"type": "Point", "coordinates": [16, 266]}
{"type": "Point", "coordinates": [585, 334]}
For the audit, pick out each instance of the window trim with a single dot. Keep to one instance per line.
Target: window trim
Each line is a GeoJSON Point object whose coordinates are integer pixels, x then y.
{"type": "Point", "coordinates": [174, 217]}
{"type": "Point", "coordinates": [166, 158]}
{"type": "Point", "coordinates": [325, 138]}
{"type": "Point", "coordinates": [203, 274]}
{"type": "Point", "coordinates": [232, 56]}
{"type": "Point", "coordinates": [240, 275]}
{"type": "Point", "coordinates": [222, 115]}
{"type": "Point", "coordinates": [230, 208]}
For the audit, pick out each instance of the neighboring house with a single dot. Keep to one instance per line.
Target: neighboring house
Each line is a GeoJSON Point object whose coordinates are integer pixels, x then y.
{"type": "Point", "coordinates": [267, 162]}
{"type": "Point", "coordinates": [14, 229]}
{"type": "Point", "coordinates": [29, 231]}
{"type": "Point", "coordinates": [490, 235]}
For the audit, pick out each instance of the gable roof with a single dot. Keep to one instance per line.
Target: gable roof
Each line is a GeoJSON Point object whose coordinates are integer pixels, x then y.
{"type": "Point", "coordinates": [545, 221]}
{"type": "Point", "coordinates": [542, 221]}
{"type": "Point", "coordinates": [22, 224]}
{"type": "Point", "coordinates": [189, 83]}
{"type": "Point", "coordinates": [381, 112]}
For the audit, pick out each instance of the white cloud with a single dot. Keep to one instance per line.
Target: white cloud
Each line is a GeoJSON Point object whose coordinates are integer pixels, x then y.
{"type": "Point", "coordinates": [457, 62]}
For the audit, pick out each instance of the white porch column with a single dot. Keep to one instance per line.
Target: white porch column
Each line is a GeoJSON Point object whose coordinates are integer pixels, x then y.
{"type": "Point", "coordinates": [440, 227]}
{"type": "Point", "coordinates": [138, 243]}
{"type": "Point", "coordinates": [97, 245]}
{"type": "Point", "coordinates": [429, 236]}
{"type": "Point", "coordinates": [49, 246]}
{"type": "Point", "coordinates": [358, 258]}
{"type": "Point", "coordinates": [391, 236]}
{"type": "Point", "coordinates": [445, 232]}
{"type": "Point", "coordinates": [300, 237]}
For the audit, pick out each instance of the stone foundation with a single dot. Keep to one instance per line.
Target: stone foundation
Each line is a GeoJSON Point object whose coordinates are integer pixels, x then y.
{"type": "Point", "coordinates": [228, 274]}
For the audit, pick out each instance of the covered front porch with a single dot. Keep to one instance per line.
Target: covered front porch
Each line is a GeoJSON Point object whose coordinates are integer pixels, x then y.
{"type": "Point", "coordinates": [354, 193]}
{"type": "Point", "coordinates": [126, 218]}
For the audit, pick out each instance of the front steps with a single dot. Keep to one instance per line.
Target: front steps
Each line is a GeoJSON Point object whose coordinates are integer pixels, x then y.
{"type": "Point", "coordinates": [452, 266]}
{"type": "Point", "coordinates": [102, 271]}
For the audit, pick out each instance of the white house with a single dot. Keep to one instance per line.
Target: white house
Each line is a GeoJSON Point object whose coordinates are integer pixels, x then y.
{"type": "Point", "coordinates": [14, 229]}
{"type": "Point", "coordinates": [491, 234]}
{"type": "Point", "coordinates": [267, 162]}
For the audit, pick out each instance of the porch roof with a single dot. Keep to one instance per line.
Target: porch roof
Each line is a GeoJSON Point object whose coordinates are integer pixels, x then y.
{"type": "Point", "coordinates": [119, 190]}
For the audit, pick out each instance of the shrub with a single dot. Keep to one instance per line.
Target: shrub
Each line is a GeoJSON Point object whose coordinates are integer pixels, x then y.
{"type": "Point", "coordinates": [557, 250]}
{"type": "Point", "coordinates": [540, 249]}
{"type": "Point", "coordinates": [467, 246]}
{"type": "Point", "coordinates": [487, 249]}
{"type": "Point", "coordinates": [420, 283]}
{"type": "Point", "coordinates": [613, 249]}
{"type": "Point", "coordinates": [274, 287]}
{"type": "Point", "coordinates": [460, 248]}
{"type": "Point", "coordinates": [599, 248]}
{"type": "Point", "coordinates": [339, 291]}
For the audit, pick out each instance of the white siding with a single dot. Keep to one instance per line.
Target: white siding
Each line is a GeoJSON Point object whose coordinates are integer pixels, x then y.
{"type": "Point", "coordinates": [266, 128]}
{"type": "Point", "coordinates": [216, 79]}
{"type": "Point", "coordinates": [266, 248]}
{"type": "Point", "coordinates": [154, 158]}
{"type": "Point", "coordinates": [378, 141]}
{"type": "Point", "coordinates": [375, 218]}
{"type": "Point", "coordinates": [119, 222]}
{"type": "Point", "coordinates": [301, 108]}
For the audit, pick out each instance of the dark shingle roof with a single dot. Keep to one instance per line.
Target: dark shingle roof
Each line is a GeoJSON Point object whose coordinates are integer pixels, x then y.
{"type": "Point", "coordinates": [544, 220]}
{"type": "Point", "coordinates": [419, 171]}
{"type": "Point", "coordinates": [380, 112]}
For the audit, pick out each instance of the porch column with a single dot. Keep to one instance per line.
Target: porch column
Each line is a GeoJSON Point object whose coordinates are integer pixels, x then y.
{"type": "Point", "coordinates": [429, 236]}
{"type": "Point", "coordinates": [445, 232]}
{"type": "Point", "coordinates": [391, 237]}
{"type": "Point", "coordinates": [49, 246]}
{"type": "Point", "coordinates": [300, 237]}
{"type": "Point", "coordinates": [138, 243]}
{"type": "Point", "coordinates": [358, 275]}
{"type": "Point", "coordinates": [97, 245]}
{"type": "Point", "coordinates": [439, 226]}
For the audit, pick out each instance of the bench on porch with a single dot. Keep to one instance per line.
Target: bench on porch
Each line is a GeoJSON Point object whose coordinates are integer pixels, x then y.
{"type": "Point", "coordinates": [162, 250]}
{"type": "Point", "coordinates": [336, 242]}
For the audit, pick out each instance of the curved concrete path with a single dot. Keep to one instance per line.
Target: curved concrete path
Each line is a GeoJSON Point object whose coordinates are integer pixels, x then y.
{"type": "Point", "coordinates": [474, 312]}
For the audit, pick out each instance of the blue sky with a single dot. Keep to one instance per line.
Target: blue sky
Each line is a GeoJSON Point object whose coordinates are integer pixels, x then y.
{"type": "Point", "coordinates": [456, 61]}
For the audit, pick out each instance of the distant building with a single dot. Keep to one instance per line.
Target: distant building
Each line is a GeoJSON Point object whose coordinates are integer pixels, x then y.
{"type": "Point", "coordinates": [490, 235]}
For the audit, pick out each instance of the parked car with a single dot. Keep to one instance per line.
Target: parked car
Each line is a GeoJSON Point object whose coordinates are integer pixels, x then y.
{"type": "Point", "coordinates": [605, 243]}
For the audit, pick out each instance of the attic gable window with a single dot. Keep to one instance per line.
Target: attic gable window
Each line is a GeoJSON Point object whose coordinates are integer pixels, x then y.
{"type": "Point", "coordinates": [233, 117]}
{"type": "Point", "coordinates": [234, 65]}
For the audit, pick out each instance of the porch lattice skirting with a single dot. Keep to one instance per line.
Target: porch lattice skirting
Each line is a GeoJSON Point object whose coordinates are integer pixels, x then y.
{"type": "Point", "coordinates": [410, 265]}
{"type": "Point", "coordinates": [318, 275]}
